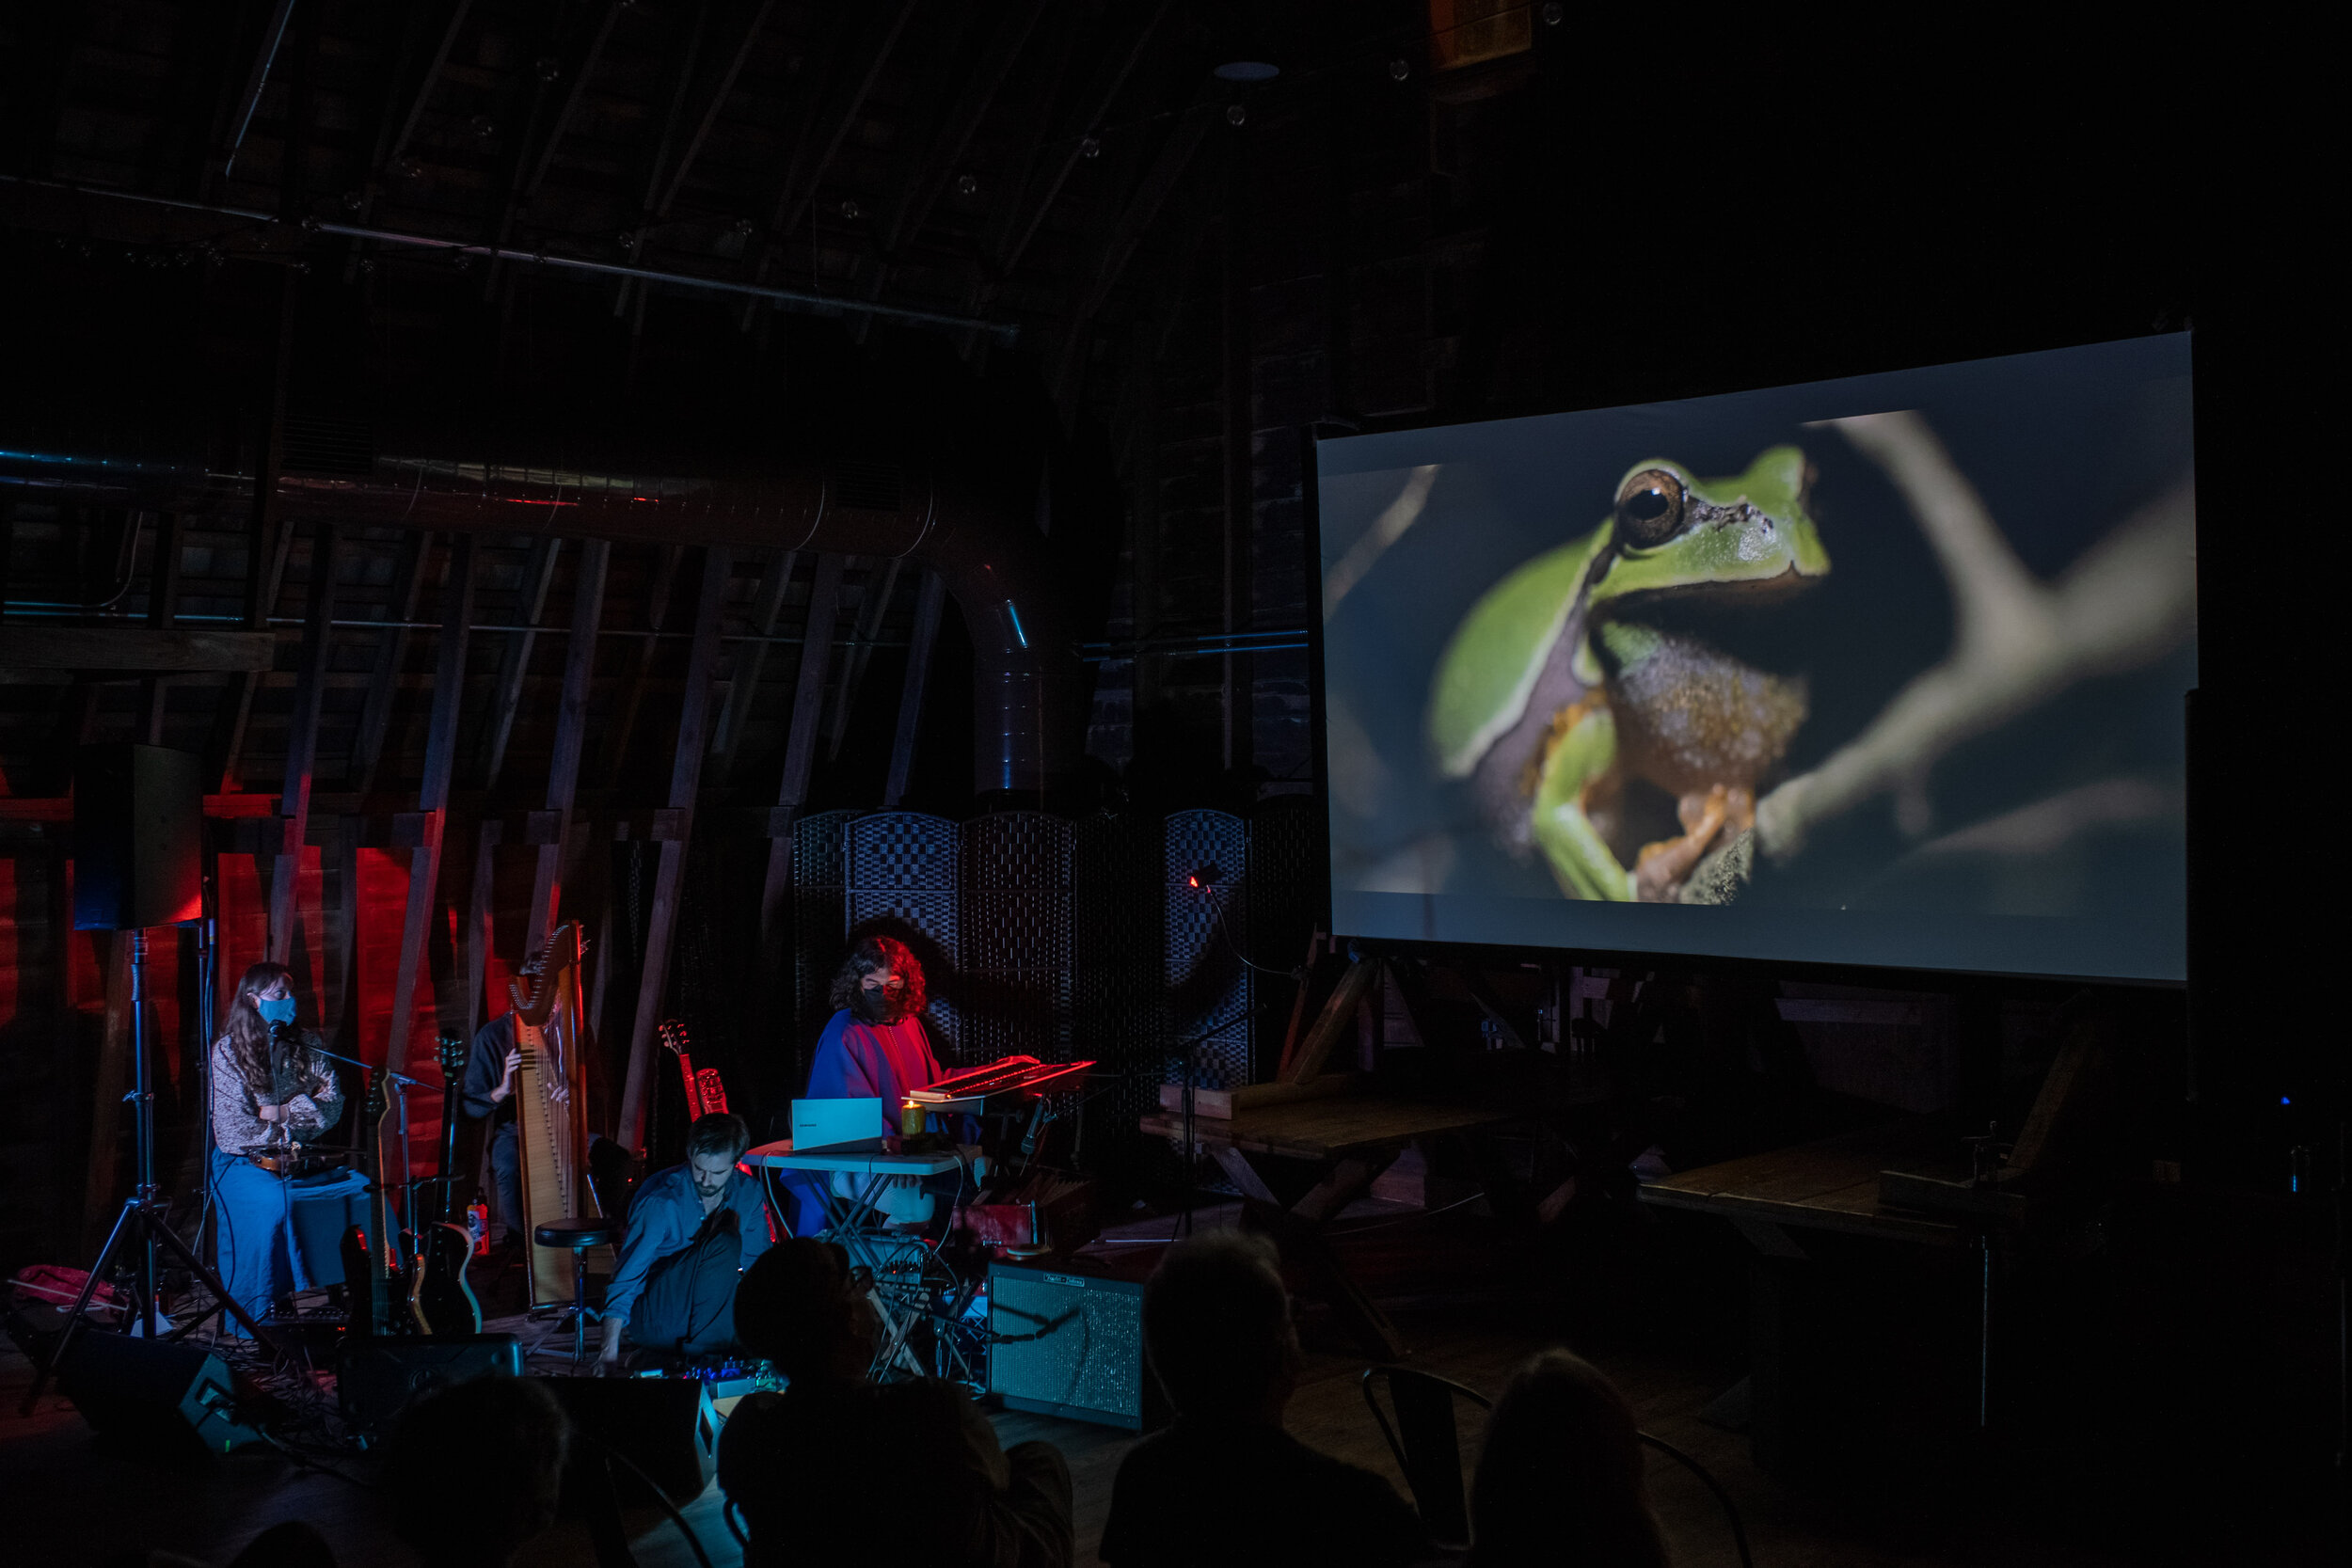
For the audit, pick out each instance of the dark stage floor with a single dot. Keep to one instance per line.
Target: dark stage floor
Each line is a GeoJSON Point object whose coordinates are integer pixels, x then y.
{"type": "Point", "coordinates": [1470, 1303]}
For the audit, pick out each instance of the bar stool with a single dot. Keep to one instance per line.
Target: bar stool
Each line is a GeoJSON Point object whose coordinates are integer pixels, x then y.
{"type": "Point", "coordinates": [578, 1236]}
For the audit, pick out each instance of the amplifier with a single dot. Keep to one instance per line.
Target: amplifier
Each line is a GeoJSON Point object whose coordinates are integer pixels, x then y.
{"type": "Point", "coordinates": [1070, 1344]}
{"type": "Point", "coordinates": [377, 1378]}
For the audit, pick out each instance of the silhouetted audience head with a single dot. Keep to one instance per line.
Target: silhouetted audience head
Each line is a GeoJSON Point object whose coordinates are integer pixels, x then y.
{"type": "Point", "coordinates": [1559, 1479]}
{"type": "Point", "coordinates": [802, 1306]}
{"type": "Point", "coordinates": [1217, 1322]}
{"type": "Point", "coordinates": [475, 1471]}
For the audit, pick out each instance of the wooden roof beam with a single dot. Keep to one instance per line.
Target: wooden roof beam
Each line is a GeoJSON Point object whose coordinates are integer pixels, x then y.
{"type": "Point", "coordinates": [926, 179]}
{"type": "Point", "coordinates": [1116, 246]}
{"type": "Point", "coordinates": [826, 123]}
{"type": "Point", "coordinates": [533, 156]}
{"type": "Point", "coordinates": [1096, 106]}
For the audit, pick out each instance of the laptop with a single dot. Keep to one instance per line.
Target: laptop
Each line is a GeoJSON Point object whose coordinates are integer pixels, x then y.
{"type": "Point", "coordinates": [837, 1126]}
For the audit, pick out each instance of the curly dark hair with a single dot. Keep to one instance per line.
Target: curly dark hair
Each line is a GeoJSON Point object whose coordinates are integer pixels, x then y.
{"type": "Point", "coordinates": [873, 952]}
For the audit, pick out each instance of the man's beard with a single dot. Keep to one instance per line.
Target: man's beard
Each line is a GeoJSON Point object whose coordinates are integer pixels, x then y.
{"type": "Point", "coordinates": [876, 1007]}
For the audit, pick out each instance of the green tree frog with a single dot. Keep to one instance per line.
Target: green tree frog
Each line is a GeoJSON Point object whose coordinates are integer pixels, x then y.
{"type": "Point", "coordinates": [1549, 697]}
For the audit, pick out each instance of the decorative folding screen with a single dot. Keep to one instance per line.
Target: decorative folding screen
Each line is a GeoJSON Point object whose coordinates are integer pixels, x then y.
{"type": "Point", "coordinates": [1207, 931]}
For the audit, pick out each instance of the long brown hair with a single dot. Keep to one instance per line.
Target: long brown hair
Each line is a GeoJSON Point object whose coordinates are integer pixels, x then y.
{"type": "Point", "coordinates": [247, 1030]}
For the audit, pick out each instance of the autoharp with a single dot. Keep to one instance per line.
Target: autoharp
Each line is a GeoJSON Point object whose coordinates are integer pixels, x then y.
{"type": "Point", "coordinates": [551, 1124]}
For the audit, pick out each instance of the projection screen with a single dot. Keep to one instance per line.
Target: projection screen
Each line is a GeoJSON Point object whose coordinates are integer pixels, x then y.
{"type": "Point", "coordinates": [1882, 671]}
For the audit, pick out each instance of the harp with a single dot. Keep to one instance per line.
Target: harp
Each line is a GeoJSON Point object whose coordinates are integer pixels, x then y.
{"type": "Point", "coordinates": [551, 1122]}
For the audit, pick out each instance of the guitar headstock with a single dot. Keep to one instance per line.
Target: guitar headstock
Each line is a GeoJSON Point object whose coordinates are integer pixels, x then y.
{"type": "Point", "coordinates": [453, 1053]}
{"type": "Point", "coordinates": [379, 1098]}
{"type": "Point", "coordinates": [672, 1033]}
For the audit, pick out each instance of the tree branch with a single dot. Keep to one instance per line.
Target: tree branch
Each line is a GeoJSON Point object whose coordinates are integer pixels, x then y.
{"type": "Point", "coordinates": [2017, 642]}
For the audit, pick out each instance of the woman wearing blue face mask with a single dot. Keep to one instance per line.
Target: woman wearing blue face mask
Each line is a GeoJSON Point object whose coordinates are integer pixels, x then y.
{"type": "Point", "coordinates": [270, 1089]}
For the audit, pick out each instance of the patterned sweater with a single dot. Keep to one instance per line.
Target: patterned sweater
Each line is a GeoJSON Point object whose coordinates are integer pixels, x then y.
{"type": "Point", "coordinates": [306, 1086]}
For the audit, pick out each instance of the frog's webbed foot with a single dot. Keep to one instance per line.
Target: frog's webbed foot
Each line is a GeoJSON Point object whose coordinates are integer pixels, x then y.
{"type": "Point", "coordinates": [1661, 867]}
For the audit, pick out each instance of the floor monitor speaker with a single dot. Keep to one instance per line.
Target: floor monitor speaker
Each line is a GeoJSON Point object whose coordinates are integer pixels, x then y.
{"type": "Point", "coordinates": [1070, 1344]}
{"type": "Point", "coordinates": [634, 1430]}
{"type": "Point", "coordinates": [375, 1379]}
{"type": "Point", "coordinates": [138, 837]}
{"type": "Point", "coordinates": [166, 1397]}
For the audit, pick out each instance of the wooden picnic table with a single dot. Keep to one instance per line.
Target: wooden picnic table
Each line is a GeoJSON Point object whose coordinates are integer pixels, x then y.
{"type": "Point", "coordinates": [1353, 1138]}
{"type": "Point", "coordinates": [1829, 1185]}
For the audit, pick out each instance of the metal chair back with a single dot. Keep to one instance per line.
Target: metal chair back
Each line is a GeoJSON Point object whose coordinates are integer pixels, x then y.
{"type": "Point", "coordinates": [1427, 1444]}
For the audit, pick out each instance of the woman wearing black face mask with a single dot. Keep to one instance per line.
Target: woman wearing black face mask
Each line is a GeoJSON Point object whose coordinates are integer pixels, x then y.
{"type": "Point", "coordinates": [271, 1089]}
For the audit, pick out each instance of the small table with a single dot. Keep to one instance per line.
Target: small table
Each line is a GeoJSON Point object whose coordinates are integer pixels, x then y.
{"type": "Point", "coordinates": [1828, 1187]}
{"type": "Point", "coordinates": [864, 1246]}
{"type": "Point", "coordinates": [1353, 1138]}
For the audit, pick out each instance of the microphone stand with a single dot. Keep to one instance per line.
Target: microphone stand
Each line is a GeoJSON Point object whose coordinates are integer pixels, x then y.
{"type": "Point", "coordinates": [401, 1083]}
{"type": "Point", "coordinates": [1192, 1073]}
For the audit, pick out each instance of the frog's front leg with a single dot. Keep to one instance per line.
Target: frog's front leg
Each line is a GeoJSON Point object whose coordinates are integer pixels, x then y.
{"type": "Point", "coordinates": [1576, 756]}
{"type": "Point", "coordinates": [1658, 871]}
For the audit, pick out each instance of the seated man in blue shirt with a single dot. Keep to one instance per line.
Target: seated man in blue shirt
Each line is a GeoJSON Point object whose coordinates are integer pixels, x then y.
{"type": "Point", "coordinates": [692, 1229]}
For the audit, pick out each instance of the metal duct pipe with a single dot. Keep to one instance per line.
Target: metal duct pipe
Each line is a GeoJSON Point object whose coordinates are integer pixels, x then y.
{"type": "Point", "coordinates": [131, 442]}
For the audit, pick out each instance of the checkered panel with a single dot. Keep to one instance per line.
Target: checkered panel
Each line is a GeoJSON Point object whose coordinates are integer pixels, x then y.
{"type": "Point", "coordinates": [1118, 1015]}
{"type": "Point", "coordinates": [900, 875]}
{"type": "Point", "coordinates": [818, 917]}
{"type": "Point", "coordinates": [1208, 984]}
{"type": "Point", "coordinates": [1016, 935]}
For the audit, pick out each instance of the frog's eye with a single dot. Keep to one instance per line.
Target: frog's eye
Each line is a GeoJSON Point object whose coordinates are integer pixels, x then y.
{"type": "Point", "coordinates": [1649, 508]}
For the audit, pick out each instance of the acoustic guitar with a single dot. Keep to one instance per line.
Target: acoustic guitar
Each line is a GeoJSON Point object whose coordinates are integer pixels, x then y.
{"type": "Point", "coordinates": [441, 1299]}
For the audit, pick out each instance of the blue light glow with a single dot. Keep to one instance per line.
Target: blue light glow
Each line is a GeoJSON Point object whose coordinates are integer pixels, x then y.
{"type": "Point", "coordinates": [1012, 610]}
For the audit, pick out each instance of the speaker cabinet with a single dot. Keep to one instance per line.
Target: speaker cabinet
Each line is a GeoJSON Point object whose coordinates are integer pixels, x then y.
{"type": "Point", "coordinates": [138, 837]}
{"type": "Point", "coordinates": [172, 1400]}
{"type": "Point", "coordinates": [375, 1379]}
{"type": "Point", "coordinates": [634, 1433]}
{"type": "Point", "coordinates": [1071, 1345]}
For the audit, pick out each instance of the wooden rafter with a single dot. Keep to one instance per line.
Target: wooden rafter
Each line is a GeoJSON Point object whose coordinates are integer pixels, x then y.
{"type": "Point", "coordinates": [536, 150]}
{"type": "Point", "coordinates": [1107, 258]}
{"type": "Point", "coordinates": [266, 536]}
{"type": "Point", "coordinates": [751, 659]}
{"type": "Point", "coordinates": [694, 733]}
{"type": "Point", "coordinates": [302, 740]}
{"type": "Point", "coordinates": [538, 576]}
{"type": "Point", "coordinates": [920, 194]}
{"type": "Point", "coordinates": [928, 606]}
{"type": "Point", "coordinates": [376, 712]}
{"type": "Point", "coordinates": [1092, 108]}
{"type": "Point", "coordinates": [809, 698]}
{"type": "Point", "coordinates": [874, 605]}
{"type": "Point", "coordinates": [440, 754]}
{"type": "Point", "coordinates": [571, 733]}
{"type": "Point", "coordinates": [827, 119]}
{"type": "Point", "coordinates": [656, 611]}
{"type": "Point", "coordinates": [712, 97]}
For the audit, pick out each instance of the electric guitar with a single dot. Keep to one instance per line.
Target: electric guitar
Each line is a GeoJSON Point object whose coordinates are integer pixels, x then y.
{"type": "Point", "coordinates": [705, 1093]}
{"type": "Point", "coordinates": [440, 1300]}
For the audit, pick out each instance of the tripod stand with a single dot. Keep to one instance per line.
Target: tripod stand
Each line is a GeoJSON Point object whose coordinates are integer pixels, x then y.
{"type": "Point", "coordinates": [142, 1216]}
